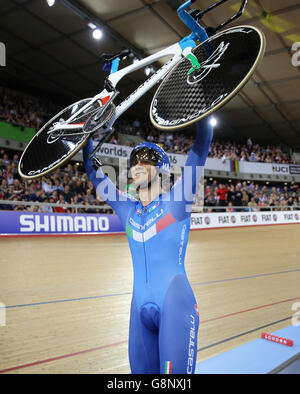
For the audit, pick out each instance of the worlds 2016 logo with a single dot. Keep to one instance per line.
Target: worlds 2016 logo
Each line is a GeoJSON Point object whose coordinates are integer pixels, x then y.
{"type": "Point", "coordinates": [208, 65]}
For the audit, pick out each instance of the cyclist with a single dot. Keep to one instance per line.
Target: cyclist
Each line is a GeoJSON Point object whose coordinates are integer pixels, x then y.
{"type": "Point", "coordinates": [164, 314]}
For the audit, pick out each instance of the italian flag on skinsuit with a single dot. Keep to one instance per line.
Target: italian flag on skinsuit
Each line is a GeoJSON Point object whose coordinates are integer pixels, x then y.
{"type": "Point", "coordinates": [166, 221]}
{"type": "Point", "coordinates": [168, 367]}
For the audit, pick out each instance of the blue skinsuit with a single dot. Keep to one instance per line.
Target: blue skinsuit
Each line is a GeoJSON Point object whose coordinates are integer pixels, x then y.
{"type": "Point", "coordinates": [164, 316]}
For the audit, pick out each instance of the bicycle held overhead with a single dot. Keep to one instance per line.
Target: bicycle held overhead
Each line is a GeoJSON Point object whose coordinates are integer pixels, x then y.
{"type": "Point", "coordinates": [207, 69]}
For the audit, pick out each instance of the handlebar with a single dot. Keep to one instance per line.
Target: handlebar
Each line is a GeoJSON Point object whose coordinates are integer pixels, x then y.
{"type": "Point", "coordinates": [111, 62]}
{"type": "Point", "coordinates": [191, 18]}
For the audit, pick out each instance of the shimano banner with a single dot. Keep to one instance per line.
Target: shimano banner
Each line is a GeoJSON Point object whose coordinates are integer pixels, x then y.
{"type": "Point", "coordinates": [15, 222]}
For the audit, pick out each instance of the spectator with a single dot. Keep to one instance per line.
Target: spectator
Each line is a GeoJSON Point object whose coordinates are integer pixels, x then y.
{"type": "Point", "coordinates": [238, 196]}
{"type": "Point", "coordinates": [60, 208]}
{"type": "Point", "coordinates": [230, 208]}
{"type": "Point", "coordinates": [222, 194]}
{"type": "Point", "coordinates": [252, 204]}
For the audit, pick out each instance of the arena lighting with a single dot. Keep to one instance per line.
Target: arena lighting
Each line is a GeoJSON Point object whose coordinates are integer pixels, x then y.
{"type": "Point", "coordinates": [213, 122]}
{"type": "Point", "coordinates": [50, 2]}
{"type": "Point", "coordinates": [91, 25]}
{"type": "Point", "coordinates": [97, 34]}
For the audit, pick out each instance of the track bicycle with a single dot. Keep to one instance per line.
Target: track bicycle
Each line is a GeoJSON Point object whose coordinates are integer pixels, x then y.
{"type": "Point", "coordinates": [207, 68]}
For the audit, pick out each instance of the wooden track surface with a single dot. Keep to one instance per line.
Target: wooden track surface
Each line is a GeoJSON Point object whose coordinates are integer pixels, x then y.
{"type": "Point", "coordinates": [68, 299]}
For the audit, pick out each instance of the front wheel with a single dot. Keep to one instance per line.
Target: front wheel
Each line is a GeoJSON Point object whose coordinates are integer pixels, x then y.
{"type": "Point", "coordinates": [48, 150]}
{"type": "Point", "coordinates": [228, 60]}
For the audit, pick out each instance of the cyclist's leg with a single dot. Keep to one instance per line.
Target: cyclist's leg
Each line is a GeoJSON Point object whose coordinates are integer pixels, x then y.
{"type": "Point", "coordinates": [178, 329]}
{"type": "Point", "coordinates": [143, 344]}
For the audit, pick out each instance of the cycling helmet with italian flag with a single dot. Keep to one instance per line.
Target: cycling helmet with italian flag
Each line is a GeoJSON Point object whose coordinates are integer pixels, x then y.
{"type": "Point", "coordinates": [149, 152]}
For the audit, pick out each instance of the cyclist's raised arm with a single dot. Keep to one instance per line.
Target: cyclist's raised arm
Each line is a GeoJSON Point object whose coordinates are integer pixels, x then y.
{"type": "Point", "coordinates": [183, 192]}
{"type": "Point", "coordinates": [119, 201]}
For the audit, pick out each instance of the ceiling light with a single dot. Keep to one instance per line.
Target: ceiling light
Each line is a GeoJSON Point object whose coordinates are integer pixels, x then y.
{"type": "Point", "coordinates": [97, 34]}
{"type": "Point", "coordinates": [91, 25]}
{"type": "Point", "coordinates": [50, 2]}
{"type": "Point", "coordinates": [213, 122]}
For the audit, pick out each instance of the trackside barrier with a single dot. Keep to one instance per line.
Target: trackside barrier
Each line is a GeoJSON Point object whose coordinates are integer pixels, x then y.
{"type": "Point", "coordinates": [39, 223]}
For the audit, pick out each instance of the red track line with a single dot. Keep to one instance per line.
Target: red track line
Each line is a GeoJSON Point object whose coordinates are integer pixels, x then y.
{"type": "Point", "coordinates": [60, 357]}
{"type": "Point", "coordinates": [119, 343]}
{"type": "Point", "coordinates": [57, 235]}
{"type": "Point", "coordinates": [246, 225]}
{"type": "Point", "coordinates": [249, 310]}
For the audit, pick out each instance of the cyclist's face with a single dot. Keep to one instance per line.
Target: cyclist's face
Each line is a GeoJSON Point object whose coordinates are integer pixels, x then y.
{"type": "Point", "coordinates": [142, 173]}
{"type": "Point", "coordinates": [143, 167]}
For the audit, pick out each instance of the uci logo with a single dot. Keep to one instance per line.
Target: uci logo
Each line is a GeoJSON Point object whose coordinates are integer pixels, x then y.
{"type": "Point", "coordinates": [280, 169]}
{"type": "Point", "coordinates": [2, 55]}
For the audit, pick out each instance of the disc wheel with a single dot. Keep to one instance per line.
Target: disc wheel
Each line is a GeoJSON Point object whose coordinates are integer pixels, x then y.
{"type": "Point", "coordinates": [228, 60]}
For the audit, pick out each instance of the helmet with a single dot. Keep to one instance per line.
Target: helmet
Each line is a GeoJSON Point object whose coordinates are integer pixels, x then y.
{"type": "Point", "coordinates": [158, 155]}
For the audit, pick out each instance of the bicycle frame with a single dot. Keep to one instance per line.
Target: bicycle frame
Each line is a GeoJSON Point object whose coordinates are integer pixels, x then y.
{"type": "Point", "coordinates": [176, 51]}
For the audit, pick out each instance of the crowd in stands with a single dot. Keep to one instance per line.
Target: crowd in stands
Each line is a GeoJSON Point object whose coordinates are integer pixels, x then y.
{"type": "Point", "coordinates": [249, 196]}
{"type": "Point", "coordinates": [181, 143]}
{"type": "Point", "coordinates": [70, 185]}
{"type": "Point", "coordinates": [250, 152]}
{"type": "Point", "coordinates": [24, 111]}
{"type": "Point", "coordinates": [64, 186]}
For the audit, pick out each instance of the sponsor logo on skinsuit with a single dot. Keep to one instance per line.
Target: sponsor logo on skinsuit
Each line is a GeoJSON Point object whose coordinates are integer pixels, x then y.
{"type": "Point", "coordinates": [191, 352]}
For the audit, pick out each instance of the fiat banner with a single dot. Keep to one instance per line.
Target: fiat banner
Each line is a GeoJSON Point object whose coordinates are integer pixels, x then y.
{"type": "Point", "coordinates": [238, 219]}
